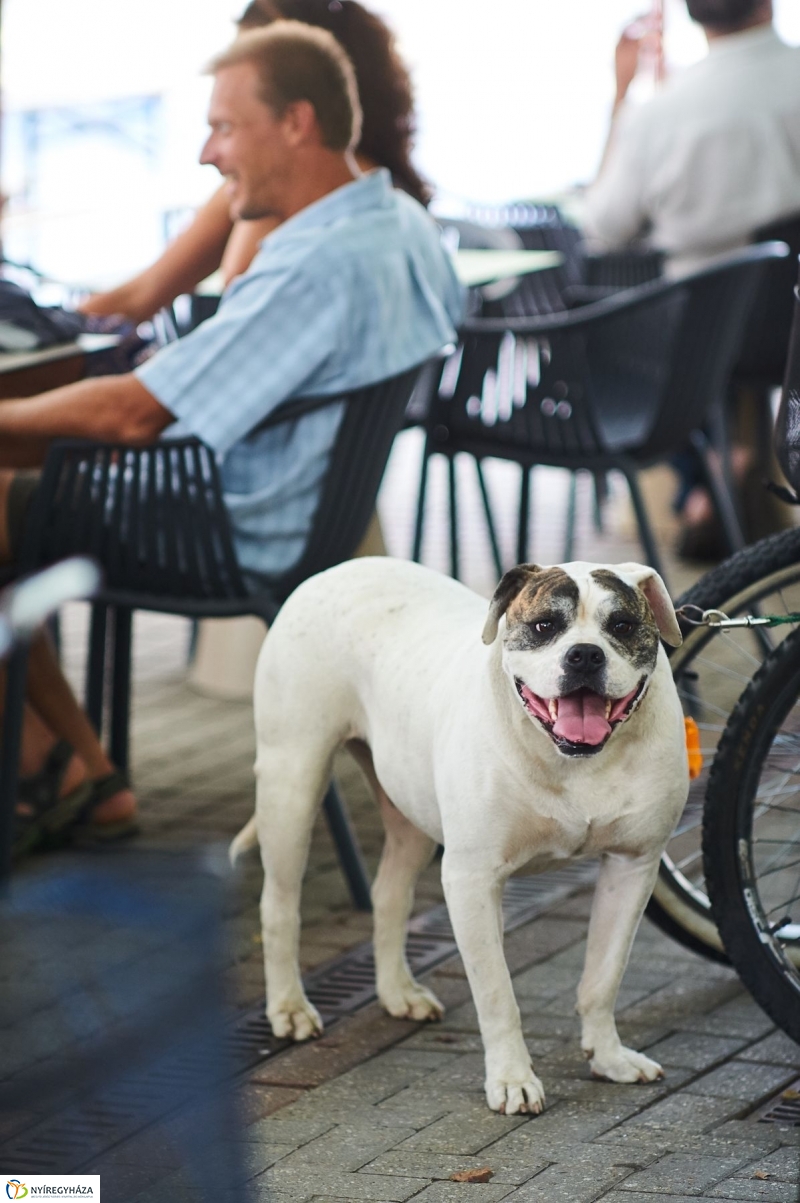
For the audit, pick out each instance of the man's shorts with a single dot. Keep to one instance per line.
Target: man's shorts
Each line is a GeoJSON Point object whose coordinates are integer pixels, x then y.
{"type": "Point", "coordinates": [20, 496]}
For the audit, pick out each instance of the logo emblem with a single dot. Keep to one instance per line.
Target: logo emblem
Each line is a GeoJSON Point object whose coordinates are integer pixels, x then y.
{"type": "Point", "coordinates": [16, 1189]}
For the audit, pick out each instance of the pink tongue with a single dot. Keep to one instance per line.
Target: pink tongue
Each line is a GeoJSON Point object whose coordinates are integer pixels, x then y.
{"type": "Point", "coordinates": [582, 718]}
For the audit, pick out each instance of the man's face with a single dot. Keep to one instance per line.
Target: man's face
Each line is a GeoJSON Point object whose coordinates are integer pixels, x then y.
{"type": "Point", "coordinates": [248, 144]}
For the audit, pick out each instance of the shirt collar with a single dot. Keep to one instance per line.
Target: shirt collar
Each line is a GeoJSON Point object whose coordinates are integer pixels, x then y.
{"type": "Point", "coordinates": [372, 190]}
{"type": "Point", "coordinates": [744, 41]}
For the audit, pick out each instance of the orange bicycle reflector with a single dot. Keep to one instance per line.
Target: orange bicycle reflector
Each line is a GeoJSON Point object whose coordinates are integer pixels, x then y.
{"type": "Point", "coordinates": [693, 748]}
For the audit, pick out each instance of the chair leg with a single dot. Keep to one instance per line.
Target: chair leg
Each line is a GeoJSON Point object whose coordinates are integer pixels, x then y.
{"type": "Point", "coordinates": [600, 497]}
{"type": "Point", "coordinates": [524, 516]}
{"type": "Point", "coordinates": [347, 849]}
{"type": "Point", "coordinates": [490, 526]}
{"type": "Point", "coordinates": [96, 667]}
{"type": "Point", "coordinates": [451, 476]}
{"type": "Point", "coordinates": [423, 486]}
{"type": "Point", "coordinates": [572, 505]}
{"type": "Point", "coordinates": [721, 494]}
{"type": "Point", "coordinates": [121, 688]}
{"type": "Point", "coordinates": [651, 552]}
{"type": "Point", "coordinates": [16, 672]}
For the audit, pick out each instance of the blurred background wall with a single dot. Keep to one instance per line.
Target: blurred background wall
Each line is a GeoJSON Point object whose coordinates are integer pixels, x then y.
{"type": "Point", "coordinates": [104, 106]}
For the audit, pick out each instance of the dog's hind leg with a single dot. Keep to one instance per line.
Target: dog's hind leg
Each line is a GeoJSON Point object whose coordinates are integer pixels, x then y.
{"type": "Point", "coordinates": [406, 852]}
{"type": "Point", "coordinates": [290, 784]}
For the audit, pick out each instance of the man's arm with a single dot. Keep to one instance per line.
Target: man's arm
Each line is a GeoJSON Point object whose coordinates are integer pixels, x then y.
{"type": "Point", "coordinates": [106, 408]}
{"type": "Point", "coordinates": [613, 208]}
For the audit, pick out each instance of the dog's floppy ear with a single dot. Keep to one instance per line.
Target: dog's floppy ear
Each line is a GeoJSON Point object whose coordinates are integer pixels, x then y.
{"type": "Point", "coordinates": [655, 591]}
{"type": "Point", "coordinates": [511, 584]}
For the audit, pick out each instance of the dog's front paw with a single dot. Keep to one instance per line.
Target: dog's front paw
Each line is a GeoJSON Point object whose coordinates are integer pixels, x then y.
{"type": "Point", "coordinates": [624, 1065]}
{"type": "Point", "coordinates": [298, 1020]}
{"type": "Point", "coordinates": [513, 1094]}
{"type": "Point", "coordinates": [411, 1001]}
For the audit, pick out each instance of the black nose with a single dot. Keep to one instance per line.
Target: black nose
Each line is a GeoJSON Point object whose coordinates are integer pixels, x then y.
{"type": "Point", "coordinates": [585, 657]}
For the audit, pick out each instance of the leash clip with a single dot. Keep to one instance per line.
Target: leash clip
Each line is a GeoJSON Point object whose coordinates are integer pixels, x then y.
{"type": "Point", "coordinates": [719, 619]}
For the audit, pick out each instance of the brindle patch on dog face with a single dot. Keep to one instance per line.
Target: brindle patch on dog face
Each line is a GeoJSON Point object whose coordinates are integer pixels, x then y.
{"type": "Point", "coordinates": [628, 621]}
{"type": "Point", "coordinates": [542, 610]}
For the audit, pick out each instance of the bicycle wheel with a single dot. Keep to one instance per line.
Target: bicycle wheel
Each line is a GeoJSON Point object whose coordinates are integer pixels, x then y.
{"type": "Point", "coordinates": [751, 836]}
{"type": "Point", "coordinates": [711, 669]}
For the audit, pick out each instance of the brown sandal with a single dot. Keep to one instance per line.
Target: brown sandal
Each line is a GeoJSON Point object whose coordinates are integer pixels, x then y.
{"type": "Point", "coordinates": [47, 816]}
{"type": "Point", "coordinates": [84, 830]}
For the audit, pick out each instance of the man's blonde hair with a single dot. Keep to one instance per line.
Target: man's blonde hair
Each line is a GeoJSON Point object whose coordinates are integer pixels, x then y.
{"type": "Point", "coordinates": [299, 62]}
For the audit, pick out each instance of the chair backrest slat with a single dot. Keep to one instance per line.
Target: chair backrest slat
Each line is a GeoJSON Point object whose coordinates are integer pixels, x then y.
{"type": "Point", "coordinates": [155, 517]}
{"type": "Point", "coordinates": [641, 370]}
{"type": "Point", "coordinates": [707, 344]}
{"type": "Point", "coordinates": [372, 418]}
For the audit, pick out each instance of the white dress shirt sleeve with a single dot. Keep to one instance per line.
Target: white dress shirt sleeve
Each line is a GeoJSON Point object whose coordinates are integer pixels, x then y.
{"type": "Point", "coordinates": [614, 210]}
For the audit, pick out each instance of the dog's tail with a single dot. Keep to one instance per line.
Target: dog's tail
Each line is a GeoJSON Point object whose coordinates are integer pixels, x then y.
{"type": "Point", "coordinates": [244, 841]}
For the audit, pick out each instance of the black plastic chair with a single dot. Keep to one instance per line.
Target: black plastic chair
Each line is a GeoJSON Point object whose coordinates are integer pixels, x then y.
{"type": "Point", "coordinates": [620, 384]}
{"type": "Point", "coordinates": [762, 358]}
{"type": "Point", "coordinates": [155, 520]}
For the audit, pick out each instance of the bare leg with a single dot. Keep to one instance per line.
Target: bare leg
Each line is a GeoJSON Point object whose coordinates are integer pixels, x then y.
{"type": "Point", "coordinates": [51, 696]}
{"type": "Point", "coordinates": [6, 477]}
{"type": "Point", "coordinates": [52, 699]}
{"type": "Point", "coordinates": [37, 743]}
{"type": "Point", "coordinates": [623, 888]}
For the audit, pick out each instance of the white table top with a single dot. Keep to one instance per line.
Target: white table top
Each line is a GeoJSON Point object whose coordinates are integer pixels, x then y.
{"type": "Point", "coordinates": [86, 344]}
{"type": "Point", "coordinates": [474, 267]}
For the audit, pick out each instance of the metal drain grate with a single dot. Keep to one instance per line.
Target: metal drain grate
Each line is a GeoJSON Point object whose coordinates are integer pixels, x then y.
{"type": "Point", "coordinates": [80, 1132]}
{"type": "Point", "coordinates": [785, 1109]}
{"type": "Point", "coordinates": [343, 986]}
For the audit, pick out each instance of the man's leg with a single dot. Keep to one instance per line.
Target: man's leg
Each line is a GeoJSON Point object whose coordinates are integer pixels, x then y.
{"type": "Point", "coordinates": [6, 477]}
{"type": "Point", "coordinates": [51, 697]}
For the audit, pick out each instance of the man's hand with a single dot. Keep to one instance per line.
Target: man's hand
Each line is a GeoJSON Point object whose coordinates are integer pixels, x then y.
{"type": "Point", "coordinates": [643, 34]}
{"type": "Point", "coordinates": [107, 408]}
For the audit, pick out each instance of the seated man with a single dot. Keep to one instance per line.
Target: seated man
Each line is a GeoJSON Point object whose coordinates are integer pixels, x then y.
{"type": "Point", "coordinates": [715, 154]}
{"type": "Point", "coordinates": [711, 158]}
{"type": "Point", "coordinates": [353, 287]}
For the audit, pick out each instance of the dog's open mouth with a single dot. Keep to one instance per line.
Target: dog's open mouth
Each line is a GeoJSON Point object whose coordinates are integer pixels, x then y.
{"type": "Point", "coordinates": [579, 723]}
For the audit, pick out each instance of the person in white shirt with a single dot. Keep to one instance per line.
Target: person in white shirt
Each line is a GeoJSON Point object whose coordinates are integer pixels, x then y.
{"type": "Point", "coordinates": [712, 156]}
{"type": "Point", "coordinates": [695, 171]}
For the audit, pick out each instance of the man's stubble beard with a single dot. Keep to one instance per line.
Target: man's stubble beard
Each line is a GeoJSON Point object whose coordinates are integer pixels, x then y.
{"type": "Point", "coordinates": [254, 212]}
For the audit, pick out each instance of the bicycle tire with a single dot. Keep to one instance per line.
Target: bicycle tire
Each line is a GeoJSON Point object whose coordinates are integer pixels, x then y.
{"type": "Point", "coordinates": [768, 572]}
{"type": "Point", "coordinates": [751, 837]}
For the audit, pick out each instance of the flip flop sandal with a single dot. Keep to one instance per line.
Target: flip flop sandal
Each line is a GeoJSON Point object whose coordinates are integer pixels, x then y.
{"type": "Point", "coordinates": [48, 816]}
{"type": "Point", "coordinates": [84, 830]}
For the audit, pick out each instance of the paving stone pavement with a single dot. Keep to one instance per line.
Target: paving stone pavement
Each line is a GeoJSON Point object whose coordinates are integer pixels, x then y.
{"type": "Point", "coordinates": [384, 1110]}
{"type": "Point", "coordinates": [402, 1121]}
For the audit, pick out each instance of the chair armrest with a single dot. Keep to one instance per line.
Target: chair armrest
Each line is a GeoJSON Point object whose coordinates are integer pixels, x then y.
{"type": "Point", "coordinates": [574, 319]}
{"type": "Point", "coordinates": [629, 298]}
{"type": "Point", "coordinates": [298, 407]}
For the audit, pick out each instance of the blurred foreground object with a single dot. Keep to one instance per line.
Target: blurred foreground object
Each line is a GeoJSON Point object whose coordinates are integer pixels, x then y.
{"type": "Point", "coordinates": [24, 606]}
{"type": "Point", "coordinates": [113, 990]}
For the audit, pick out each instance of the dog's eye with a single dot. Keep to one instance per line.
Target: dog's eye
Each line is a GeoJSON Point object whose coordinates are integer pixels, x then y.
{"type": "Point", "coordinates": [545, 627]}
{"type": "Point", "coordinates": [622, 626]}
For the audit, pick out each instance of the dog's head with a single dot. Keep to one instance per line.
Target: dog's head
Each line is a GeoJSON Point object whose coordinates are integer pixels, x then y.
{"type": "Point", "coordinates": [580, 645]}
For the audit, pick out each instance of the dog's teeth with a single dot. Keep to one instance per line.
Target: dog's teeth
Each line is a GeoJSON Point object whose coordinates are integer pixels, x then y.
{"type": "Point", "coordinates": [552, 706]}
{"type": "Point", "coordinates": [608, 707]}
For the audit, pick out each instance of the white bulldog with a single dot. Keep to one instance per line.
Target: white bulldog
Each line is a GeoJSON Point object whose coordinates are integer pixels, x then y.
{"type": "Point", "coordinates": [562, 739]}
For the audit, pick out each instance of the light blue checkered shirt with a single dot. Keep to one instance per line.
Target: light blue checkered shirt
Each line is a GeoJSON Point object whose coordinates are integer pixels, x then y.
{"type": "Point", "coordinates": [353, 289]}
